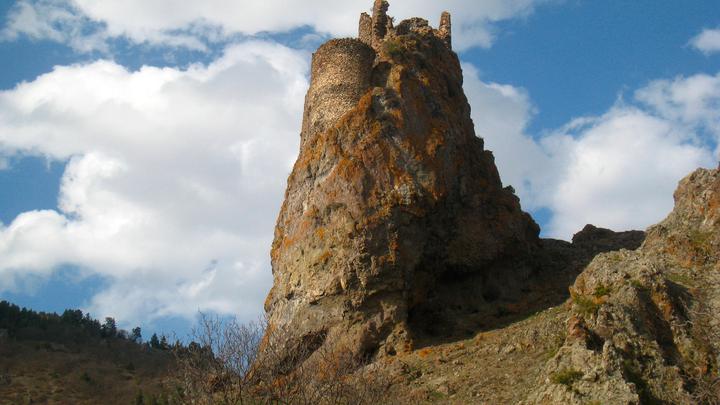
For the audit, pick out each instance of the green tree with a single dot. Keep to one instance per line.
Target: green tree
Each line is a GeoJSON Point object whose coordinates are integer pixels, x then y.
{"type": "Point", "coordinates": [154, 341]}
{"type": "Point", "coordinates": [136, 335]}
{"type": "Point", "coordinates": [73, 317]}
{"type": "Point", "coordinates": [109, 328]}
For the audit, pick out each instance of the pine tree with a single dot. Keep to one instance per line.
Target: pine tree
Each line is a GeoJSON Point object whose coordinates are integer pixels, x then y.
{"type": "Point", "coordinates": [136, 335]}
{"type": "Point", "coordinates": [109, 328]}
{"type": "Point", "coordinates": [154, 341]}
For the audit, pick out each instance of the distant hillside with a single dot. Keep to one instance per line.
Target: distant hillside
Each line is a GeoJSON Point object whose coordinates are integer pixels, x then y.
{"type": "Point", "coordinates": [74, 359]}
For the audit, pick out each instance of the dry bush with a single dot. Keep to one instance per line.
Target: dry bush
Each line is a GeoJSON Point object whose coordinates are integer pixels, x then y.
{"type": "Point", "coordinates": [325, 376]}
{"type": "Point", "coordinates": [704, 325]}
{"type": "Point", "coordinates": [233, 363]}
{"type": "Point", "coordinates": [215, 367]}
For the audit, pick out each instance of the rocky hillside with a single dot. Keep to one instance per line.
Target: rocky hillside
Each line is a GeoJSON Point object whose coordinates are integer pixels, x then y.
{"type": "Point", "coordinates": [640, 327]}
{"type": "Point", "coordinates": [644, 325]}
{"type": "Point", "coordinates": [398, 244]}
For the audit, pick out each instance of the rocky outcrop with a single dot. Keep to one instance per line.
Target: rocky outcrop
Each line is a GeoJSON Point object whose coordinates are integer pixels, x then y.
{"type": "Point", "coordinates": [392, 199]}
{"type": "Point", "coordinates": [641, 325]}
{"type": "Point", "coordinates": [596, 240]}
{"type": "Point", "coordinates": [644, 326]}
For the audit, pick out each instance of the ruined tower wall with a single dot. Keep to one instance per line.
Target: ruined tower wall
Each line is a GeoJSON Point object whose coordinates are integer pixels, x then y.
{"type": "Point", "coordinates": [365, 29]}
{"type": "Point", "coordinates": [380, 22]}
{"type": "Point", "coordinates": [341, 70]}
{"type": "Point", "coordinates": [373, 30]}
{"type": "Point", "coordinates": [444, 31]}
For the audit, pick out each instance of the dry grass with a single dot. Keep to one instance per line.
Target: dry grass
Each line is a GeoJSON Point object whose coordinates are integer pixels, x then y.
{"type": "Point", "coordinates": [111, 372]}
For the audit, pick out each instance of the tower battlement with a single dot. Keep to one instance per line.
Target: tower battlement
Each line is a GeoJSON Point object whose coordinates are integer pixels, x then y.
{"type": "Point", "coordinates": [373, 30]}
{"type": "Point", "coordinates": [342, 69]}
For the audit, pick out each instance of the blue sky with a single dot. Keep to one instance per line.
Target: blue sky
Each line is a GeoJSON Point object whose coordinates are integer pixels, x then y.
{"type": "Point", "coordinates": [144, 145]}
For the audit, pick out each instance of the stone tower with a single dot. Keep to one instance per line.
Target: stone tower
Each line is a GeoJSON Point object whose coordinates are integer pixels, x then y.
{"type": "Point", "coordinates": [393, 211]}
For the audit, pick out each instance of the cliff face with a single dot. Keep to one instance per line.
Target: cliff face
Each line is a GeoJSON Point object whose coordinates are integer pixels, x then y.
{"type": "Point", "coordinates": [392, 194]}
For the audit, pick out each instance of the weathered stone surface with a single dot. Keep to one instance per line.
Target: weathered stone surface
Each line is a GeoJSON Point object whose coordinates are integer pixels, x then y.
{"type": "Point", "coordinates": [597, 240]}
{"type": "Point", "coordinates": [645, 327]}
{"type": "Point", "coordinates": [445, 29]}
{"type": "Point", "coordinates": [392, 195]}
{"type": "Point", "coordinates": [365, 29]}
{"type": "Point", "coordinates": [689, 235]}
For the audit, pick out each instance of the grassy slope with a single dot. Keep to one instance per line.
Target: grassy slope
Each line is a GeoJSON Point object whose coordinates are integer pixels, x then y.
{"type": "Point", "coordinates": [108, 372]}
{"type": "Point", "coordinates": [494, 367]}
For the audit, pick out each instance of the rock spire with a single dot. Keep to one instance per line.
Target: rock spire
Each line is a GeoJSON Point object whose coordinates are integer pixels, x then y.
{"type": "Point", "coordinates": [393, 200]}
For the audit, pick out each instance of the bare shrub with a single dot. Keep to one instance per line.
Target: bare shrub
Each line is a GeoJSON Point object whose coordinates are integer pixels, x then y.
{"type": "Point", "coordinates": [705, 331]}
{"type": "Point", "coordinates": [234, 363]}
{"type": "Point", "coordinates": [326, 375]}
{"type": "Point", "coordinates": [214, 368]}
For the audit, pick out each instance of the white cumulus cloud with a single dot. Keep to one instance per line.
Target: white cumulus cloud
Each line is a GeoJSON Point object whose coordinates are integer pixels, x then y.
{"type": "Point", "coordinates": [53, 20]}
{"type": "Point", "coordinates": [173, 182]}
{"type": "Point", "coordinates": [616, 170]}
{"type": "Point", "coordinates": [195, 24]}
{"type": "Point", "coordinates": [175, 176]}
{"type": "Point", "coordinates": [619, 170]}
{"type": "Point", "coordinates": [500, 113]}
{"type": "Point", "coordinates": [708, 41]}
